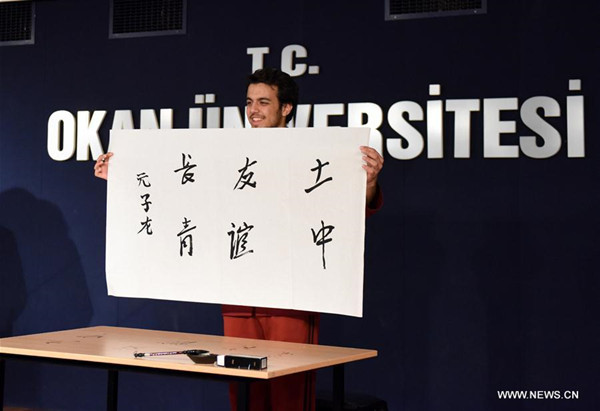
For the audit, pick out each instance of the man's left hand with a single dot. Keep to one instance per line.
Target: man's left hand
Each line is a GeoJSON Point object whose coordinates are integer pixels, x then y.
{"type": "Point", "coordinates": [373, 165]}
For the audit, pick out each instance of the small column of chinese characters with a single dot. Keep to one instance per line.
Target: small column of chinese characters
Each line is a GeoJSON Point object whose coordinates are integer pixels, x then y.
{"type": "Point", "coordinates": [185, 235]}
{"type": "Point", "coordinates": [321, 235]}
{"type": "Point", "coordinates": [238, 238]}
{"type": "Point", "coordinates": [144, 183]}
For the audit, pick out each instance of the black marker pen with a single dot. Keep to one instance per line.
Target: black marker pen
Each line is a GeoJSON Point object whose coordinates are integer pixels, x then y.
{"type": "Point", "coordinates": [154, 354]}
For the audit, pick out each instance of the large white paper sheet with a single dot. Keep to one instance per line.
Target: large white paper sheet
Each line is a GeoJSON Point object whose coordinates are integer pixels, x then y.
{"type": "Point", "coordinates": [256, 217]}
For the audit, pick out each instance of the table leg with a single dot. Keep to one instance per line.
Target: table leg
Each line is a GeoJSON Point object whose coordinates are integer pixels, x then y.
{"type": "Point", "coordinates": [243, 396]}
{"type": "Point", "coordinates": [2, 384]}
{"type": "Point", "coordinates": [112, 390]}
{"type": "Point", "coordinates": [338, 387]}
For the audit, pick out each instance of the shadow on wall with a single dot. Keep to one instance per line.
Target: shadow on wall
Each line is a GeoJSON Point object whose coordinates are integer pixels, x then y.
{"type": "Point", "coordinates": [43, 283]}
{"type": "Point", "coordinates": [12, 284]}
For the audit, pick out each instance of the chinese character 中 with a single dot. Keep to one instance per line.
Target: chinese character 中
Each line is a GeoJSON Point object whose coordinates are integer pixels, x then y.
{"type": "Point", "coordinates": [245, 176]}
{"type": "Point", "coordinates": [239, 241]}
{"type": "Point", "coordinates": [321, 237]}
{"type": "Point", "coordinates": [318, 181]}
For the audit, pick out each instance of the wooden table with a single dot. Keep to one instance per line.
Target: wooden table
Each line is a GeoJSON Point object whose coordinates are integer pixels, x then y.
{"type": "Point", "coordinates": [112, 348]}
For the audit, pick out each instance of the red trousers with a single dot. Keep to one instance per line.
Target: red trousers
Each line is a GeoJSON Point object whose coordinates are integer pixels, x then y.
{"type": "Point", "coordinates": [289, 393]}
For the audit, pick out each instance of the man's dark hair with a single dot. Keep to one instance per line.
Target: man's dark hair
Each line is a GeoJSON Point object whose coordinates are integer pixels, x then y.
{"type": "Point", "coordinates": [287, 89]}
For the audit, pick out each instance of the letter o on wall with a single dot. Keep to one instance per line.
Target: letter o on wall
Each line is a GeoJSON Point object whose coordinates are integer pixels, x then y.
{"type": "Point", "coordinates": [61, 145]}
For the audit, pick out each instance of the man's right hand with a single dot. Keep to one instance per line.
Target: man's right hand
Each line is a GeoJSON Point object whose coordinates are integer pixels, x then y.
{"type": "Point", "coordinates": [101, 166]}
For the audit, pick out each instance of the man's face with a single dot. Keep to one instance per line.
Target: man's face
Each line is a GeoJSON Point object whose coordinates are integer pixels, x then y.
{"type": "Point", "coordinates": [263, 108]}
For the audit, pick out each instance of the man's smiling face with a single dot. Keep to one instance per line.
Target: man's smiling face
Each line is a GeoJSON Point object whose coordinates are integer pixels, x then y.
{"type": "Point", "coordinates": [263, 108]}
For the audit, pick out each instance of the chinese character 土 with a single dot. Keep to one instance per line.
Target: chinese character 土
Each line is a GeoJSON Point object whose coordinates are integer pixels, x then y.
{"type": "Point", "coordinates": [187, 176]}
{"type": "Point", "coordinates": [246, 176]}
{"type": "Point", "coordinates": [185, 237]}
{"type": "Point", "coordinates": [318, 181]}
{"type": "Point", "coordinates": [321, 237]}
{"type": "Point", "coordinates": [238, 243]}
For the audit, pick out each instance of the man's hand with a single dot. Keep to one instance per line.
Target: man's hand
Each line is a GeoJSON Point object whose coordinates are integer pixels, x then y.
{"type": "Point", "coordinates": [101, 166]}
{"type": "Point", "coordinates": [373, 165]}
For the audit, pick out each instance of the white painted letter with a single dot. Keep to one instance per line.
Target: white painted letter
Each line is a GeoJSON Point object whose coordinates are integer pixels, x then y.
{"type": "Point", "coordinates": [323, 111]}
{"type": "Point", "coordinates": [148, 120]}
{"type": "Point", "coordinates": [213, 117]}
{"type": "Point", "coordinates": [232, 118]}
{"type": "Point", "coordinates": [435, 131]}
{"type": "Point", "coordinates": [531, 118]}
{"type": "Point", "coordinates": [257, 54]}
{"type": "Point", "coordinates": [462, 125]}
{"type": "Point", "coordinates": [166, 118]}
{"type": "Point", "coordinates": [374, 118]}
{"type": "Point", "coordinates": [122, 120]}
{"type": "Point", "coordinates": [56, 150]}
{"type": "Point", "coordinates": [575, 127]}
{"type": "Point", "coordinates": [195, 117]}
{"type": "Point", "coordinates": [493, 127]}
{"type": "Point", "coordinates": [87, 134]}
{"type": "Point", "coordinates": [302, 116]}
{"type": "Point", "coordinates": [412, 137]}
{"type": "Point", "coordinates": [287, 60]}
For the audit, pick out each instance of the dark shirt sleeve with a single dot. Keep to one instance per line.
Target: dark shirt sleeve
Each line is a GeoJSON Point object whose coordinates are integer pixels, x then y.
{"type": "Point", "coordinates": [376, 204]}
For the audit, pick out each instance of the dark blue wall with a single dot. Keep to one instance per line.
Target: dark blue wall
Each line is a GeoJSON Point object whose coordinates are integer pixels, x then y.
{"type": "Point", "coordinates": [481, 274]}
